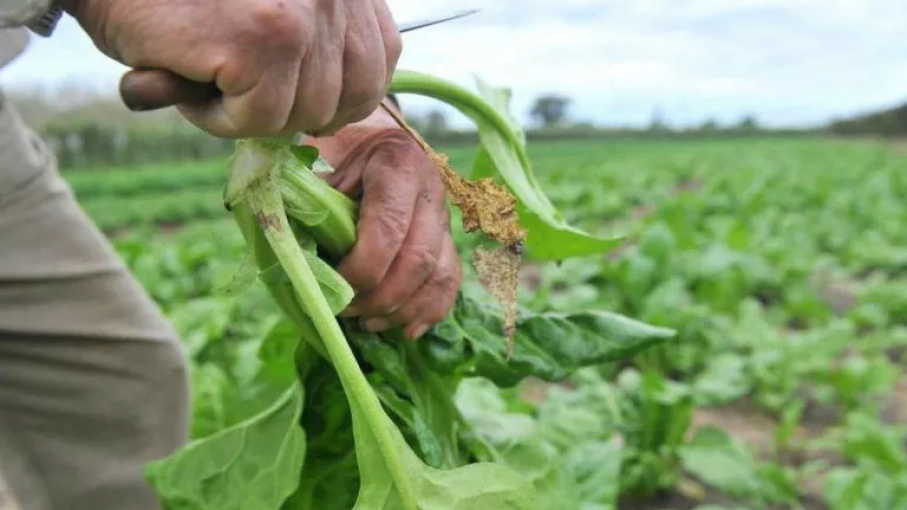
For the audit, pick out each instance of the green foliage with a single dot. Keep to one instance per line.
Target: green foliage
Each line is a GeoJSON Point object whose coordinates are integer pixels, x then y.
{"type": "Point", "coordinates": [779, 264]}
{"type": "Point", "coordinates": [414, 450]}
{"type": "Point", "coordinates": [502, 152]}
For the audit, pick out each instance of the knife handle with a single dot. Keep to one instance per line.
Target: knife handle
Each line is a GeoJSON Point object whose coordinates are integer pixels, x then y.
{"type": "Point", "coordinates": [154, 89]}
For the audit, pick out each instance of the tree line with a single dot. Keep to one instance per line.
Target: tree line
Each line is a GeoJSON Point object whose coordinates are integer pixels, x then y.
{"type": "Point", "coordinates": [101, 132]}
{"type": "Point", "coordinates": [891, 122]}
{"type": "Point", "coordinates": [96, 144]}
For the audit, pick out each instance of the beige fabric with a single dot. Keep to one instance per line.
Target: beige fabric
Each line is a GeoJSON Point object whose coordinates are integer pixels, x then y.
{"type": "Point", "coordinates": [12, 42]}
{"type": "Point", "coordinates": [16, 13]}
{"type": "Point", "coordinates": [6, 497]}
{"type": "Point", "coordinates": [93, 383]}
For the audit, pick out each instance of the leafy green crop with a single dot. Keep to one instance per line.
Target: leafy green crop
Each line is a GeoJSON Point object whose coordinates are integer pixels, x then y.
{"type": "Point", "coordinates": [777, 262]}
{"type": "Point", "coordinates": [332, 417]}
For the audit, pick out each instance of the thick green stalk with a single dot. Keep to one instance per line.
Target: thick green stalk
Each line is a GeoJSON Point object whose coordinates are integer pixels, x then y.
{"type": "Point", "coordinates": [301, 188]}
{"type": "Point", "coordinates": [264, 199]}
{"type": "Point", "coordinates": [469, 103]}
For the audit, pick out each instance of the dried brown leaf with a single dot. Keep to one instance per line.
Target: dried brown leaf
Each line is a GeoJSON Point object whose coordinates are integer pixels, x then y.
{"type": "Point", "coordinates": [499, 273]}
{"type": "Point", "coordinates": [490, 208]}
{"type": "Point", "coordinates": [486, 205]}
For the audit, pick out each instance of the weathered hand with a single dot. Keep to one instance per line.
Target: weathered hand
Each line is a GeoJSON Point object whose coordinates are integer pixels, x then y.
{"type": "Point", "coordinates": [282, 66]}
{"type": "Point", "coordinates": [404, 267]}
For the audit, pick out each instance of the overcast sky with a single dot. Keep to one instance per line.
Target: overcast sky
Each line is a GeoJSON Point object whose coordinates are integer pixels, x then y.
{"type": "Point", "coordinates": [789, 62]}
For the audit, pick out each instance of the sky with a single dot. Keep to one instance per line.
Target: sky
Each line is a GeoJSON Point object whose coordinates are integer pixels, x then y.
{"type": "Point", "coordinates": [787, 62]}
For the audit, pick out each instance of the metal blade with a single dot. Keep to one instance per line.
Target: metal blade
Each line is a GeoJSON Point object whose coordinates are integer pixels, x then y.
{"type": "Point", "coordinates": [417, 24]}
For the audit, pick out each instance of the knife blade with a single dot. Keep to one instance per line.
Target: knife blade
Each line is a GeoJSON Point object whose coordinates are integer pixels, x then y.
{"type": "Point", "coordinates": [154, 89]}
{"type": "Point", "coordinates": [422, 23]}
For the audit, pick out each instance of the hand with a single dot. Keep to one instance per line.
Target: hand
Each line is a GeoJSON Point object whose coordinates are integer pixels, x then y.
{"type": "Point", "coordinates": [282, 66]}
{"type": "Point", "coordinates": [404, 266]}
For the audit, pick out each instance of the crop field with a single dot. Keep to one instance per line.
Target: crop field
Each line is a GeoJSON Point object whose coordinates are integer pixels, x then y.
{"type": "Point", "coordinates": [781, 264]}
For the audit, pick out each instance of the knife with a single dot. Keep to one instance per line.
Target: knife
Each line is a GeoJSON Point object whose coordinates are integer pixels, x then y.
{"type": "Point", "coordinates": [153, 89]}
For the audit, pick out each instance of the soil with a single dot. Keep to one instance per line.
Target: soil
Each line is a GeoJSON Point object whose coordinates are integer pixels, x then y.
{"type": "Point", "coordinates": [895, 412]}
{"type": "Point", "coordinates": [742, 419]}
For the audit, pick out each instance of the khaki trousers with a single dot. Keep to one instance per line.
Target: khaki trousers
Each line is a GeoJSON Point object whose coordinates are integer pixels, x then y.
{"type": "Point", "coordinates": [93, 383]}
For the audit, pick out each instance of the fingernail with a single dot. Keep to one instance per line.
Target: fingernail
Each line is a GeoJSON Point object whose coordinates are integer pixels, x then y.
{"type": "Point", "coordinates": [417, 331]}
{"type": "Point", "coordinates": [377, 324]}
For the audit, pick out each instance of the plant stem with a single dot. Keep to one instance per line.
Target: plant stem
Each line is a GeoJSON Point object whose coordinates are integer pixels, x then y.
{"type": "Point", "coordinates": [337, 233]}
{"type": "Point", "coordinates": [470, 104]}
{"type": "Point", "coordinates": [265, 201]}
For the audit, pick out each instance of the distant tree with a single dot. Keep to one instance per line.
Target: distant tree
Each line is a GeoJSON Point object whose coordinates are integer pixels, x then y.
{"type": "Point", "coordinates": [886, 122]}
{"type": "Point", "coordinates": [748, 123]}
{"type": "Point", "coordinates": [709, 126]}
{"type": "Point", "coordinates": [550, 109]}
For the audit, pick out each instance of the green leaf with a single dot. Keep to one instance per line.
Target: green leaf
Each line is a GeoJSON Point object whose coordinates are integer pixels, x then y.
{"type": "Point", "coordinates": [550, 346]}
{"type": "Point", "coordinates": [330, 476]}
{"type": "Point", "coordinates": [309, 200]}
{"type": "Point", "coordinates": [336, 290]}
{"type": "Point", "coordinates": [581, 471]}
{"type": "Point", "coordinates": [482, 405]}
{"type": "Point", "coordinates": [310, 157]}
{"type": "Point", "coordinates": [595, 467]}
{"type": "Point", "coordinates": [307, 155]}
{"type": "Point", "coordinates": [723, 464]}
{"type": "Point", "coordinates": [865, 489]}
{"type": "Point", "coordinates": [422, 398]}
{"type": "Point", "coordinates": [503, 142]}
{"type": "Point", "coordinates": [231, 391]}
{"type": "Point", "coordinates": [239, 279]}
{"type": "Point", "coordinates": [253, 465]}
{"type": "Point", "coordinates": [210, 389]}
{"type": "Point", "coordinates": [550, 236]}
{"type": "Point", "coordinates": [722, 382]}
{"type": "Point", "coordinates": [543, 465]}
{"type": "Point", "coordinates": [478, 486]}
{"type": "Point", "coordinates": [867, 439]}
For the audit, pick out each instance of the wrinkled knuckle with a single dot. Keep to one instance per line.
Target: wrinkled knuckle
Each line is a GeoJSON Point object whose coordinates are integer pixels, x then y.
{"type": "Point", "coordinates": [396, 149]}
{"type": "Point", "coordinates": [447, 280]}
{"type": "Point", "coordinates": [277, 24]}
{"type": "Point", "coordinates": [421, 263]}
{"type": "Point", "coordinates": [396, 142]}
{"type": "Point", "coordinates": [392, 224]}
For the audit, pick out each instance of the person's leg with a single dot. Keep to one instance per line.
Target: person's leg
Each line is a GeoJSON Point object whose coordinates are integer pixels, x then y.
{"type": "Point", "coordinates": [93, 382]}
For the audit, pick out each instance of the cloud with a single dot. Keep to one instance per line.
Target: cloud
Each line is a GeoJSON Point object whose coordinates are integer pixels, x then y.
{"type": "Point", "coordinates": [786, 61]}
